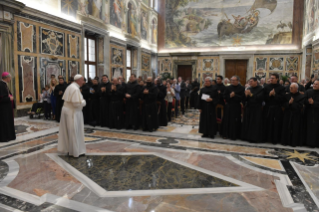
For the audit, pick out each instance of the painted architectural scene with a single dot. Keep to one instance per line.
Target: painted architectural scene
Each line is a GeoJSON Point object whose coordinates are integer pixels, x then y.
{"type": "Point", "coordinates": [228, 23]}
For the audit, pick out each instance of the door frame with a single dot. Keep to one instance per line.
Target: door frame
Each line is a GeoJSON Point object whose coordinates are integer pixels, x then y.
{"type": "Point", "coordinates": [176, 63]}
{"type": "Point", "coordinates": [250, 63]}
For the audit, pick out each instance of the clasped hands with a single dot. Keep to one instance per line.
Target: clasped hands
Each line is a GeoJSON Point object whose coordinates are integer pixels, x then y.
{"type": "Point", "coordinates": [310, 100]}
{"type": "Point", "coordinates": [272, 92]}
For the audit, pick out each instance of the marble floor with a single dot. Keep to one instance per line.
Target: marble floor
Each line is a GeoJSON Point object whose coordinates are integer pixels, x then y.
{"type": "Point", "coordinates": [170, 170]}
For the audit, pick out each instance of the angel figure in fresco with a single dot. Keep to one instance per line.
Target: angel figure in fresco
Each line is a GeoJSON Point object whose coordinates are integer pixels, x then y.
{"type": "Point", "coordinates": [82, 6]}
{"type": "Point", "coordinates": [154, 31]}
{"type": "Point", "coordinates": [132, 20]}
{"type": "Point", "coordinates": [95, 7]}
{"type": "Point", "coordinates": [117, 5]}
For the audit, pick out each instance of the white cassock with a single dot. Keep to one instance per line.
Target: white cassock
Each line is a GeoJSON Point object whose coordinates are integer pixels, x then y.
{"type": "Point", "coordinates": [71, 132]}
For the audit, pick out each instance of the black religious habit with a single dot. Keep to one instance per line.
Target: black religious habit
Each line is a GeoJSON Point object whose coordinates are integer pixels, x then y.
{"type": "Point", "coordinates": [231, 124]}
{"type": "Point", "coordinates": [207, 123]}
{"type": "Point", "coordinates": [293, 127]}
{"type": "Point", "coordinates": [116, 108]}
{"type": "Point", "coordinates": [162, 90]}
{"type": "Point", "coordinates": [104, 104]}
{"type": "Point", "coordinates": [132, 106]}
{"type": "Point", "coordinates": [7, 130]}
{"type": "Point", "coordinates": [312, 118]}
{"type": "Point", "coordinates": [273, 114]}
{"type": "Point", "coordinates": [253, 114]}
{"type": "Point", "coordinates": [149, 111]}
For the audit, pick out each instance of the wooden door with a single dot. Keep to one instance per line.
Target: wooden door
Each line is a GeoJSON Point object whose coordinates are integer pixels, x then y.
{"type": "Point", "coordinates": [185, 71]}
{"type": "Point", "coordinates": [236, 67]}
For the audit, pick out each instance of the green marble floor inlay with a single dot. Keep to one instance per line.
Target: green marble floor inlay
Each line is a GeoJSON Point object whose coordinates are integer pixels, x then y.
{"type": "Point", "coordinates": [141, 172]}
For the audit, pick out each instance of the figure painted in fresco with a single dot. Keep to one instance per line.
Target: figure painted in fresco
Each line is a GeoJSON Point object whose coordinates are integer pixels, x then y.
{"type": "Point", "coordinates": [131, 20]}
{"type": "Point", "coordinates": [116, 13]}
{"type": "Point", "coordinates": [94, 8]}
{"type": "Point", "coordinates": [190, 23]}
{"type": "Point", "coordinates": [154, 31]}
{"type": "Point", "coordinates": [144, 24]}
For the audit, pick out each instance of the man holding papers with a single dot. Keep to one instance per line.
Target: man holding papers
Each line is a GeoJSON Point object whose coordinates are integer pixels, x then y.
{"type": "Point", "coordinates": [207, 104]}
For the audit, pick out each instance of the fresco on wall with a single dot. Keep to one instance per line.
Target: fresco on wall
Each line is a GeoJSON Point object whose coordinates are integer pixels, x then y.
{"type": "Point", "coordinates": [132, 19]}
{"type": "Point", "coordinates": [311, 16]}
{"type": "Point", "coordinates": [116, 12]}
{"type": "Point", "coordinates": [144, 24]}
{"type": "Point", "coordinates": [147, 2]}
{"type": "Point", "coordinates": [154, 31]}
{"type": "Point", "coordinates": [69, 7]}
{"type": "Point", "coordinates": [199, 23]}
{"type": "Point", "coordinates": [96, 9]}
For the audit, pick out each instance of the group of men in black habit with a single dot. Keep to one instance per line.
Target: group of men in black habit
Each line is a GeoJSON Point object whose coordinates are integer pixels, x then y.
{"type": "Point", "coordinates": [272, 113]}
{"type": "Point", "coordinates": [140, 108]}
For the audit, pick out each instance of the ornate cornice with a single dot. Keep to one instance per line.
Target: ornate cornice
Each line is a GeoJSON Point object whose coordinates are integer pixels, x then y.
{"type": "Point", "coordinates": [12, 6]}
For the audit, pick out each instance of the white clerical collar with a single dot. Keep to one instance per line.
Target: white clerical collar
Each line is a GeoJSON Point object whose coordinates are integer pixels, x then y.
{"type": "Point", "coordinates": [77, 85]}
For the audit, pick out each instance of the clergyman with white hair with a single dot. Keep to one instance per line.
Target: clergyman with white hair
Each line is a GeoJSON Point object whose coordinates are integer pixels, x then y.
{"type": "Point", "coordinates": [292, 129]}
{"type": "Point", "coordinates": [71, 132]}
{"type": "Point", "coordinates": [207, 104]}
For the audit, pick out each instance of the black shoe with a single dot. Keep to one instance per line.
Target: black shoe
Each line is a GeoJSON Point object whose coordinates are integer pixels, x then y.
{"type": "Point", "coordinates": [205, 136]}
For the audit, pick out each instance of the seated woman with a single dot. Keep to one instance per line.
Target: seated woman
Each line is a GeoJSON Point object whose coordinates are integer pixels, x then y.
{"type": "Point", "coordinates": [38, 105]}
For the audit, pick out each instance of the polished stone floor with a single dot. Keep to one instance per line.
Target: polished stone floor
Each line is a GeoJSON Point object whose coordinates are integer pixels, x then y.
{"type": "Point", "coordinates": [170, 170]}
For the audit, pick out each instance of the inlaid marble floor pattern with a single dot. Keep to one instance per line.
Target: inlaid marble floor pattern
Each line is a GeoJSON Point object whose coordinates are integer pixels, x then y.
{"type": "Point", "coordinates": [171, 170]}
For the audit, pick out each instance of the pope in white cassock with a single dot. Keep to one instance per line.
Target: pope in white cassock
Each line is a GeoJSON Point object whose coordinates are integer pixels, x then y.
{"type": "Point", "coordinates": [71, 132]}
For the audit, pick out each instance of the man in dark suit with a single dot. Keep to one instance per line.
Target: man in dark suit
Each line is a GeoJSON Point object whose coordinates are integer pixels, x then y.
{"type": "Point", "coordinates": [182, 85]}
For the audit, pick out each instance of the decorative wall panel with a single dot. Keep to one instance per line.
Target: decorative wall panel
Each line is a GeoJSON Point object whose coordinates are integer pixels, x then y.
{"type": "Point", "coordinates": [101, 50]}
{"type": "Point", "coordinates": [261, 64]}
{"type": "Point", "coordinates": [165, 64]}
{"type": "Point", "coordinates": [74, 68]}
{"type": "Point", "coordinates": [276, 64]}
{"type": "Point", "coordinates": [284, 65]}
{"type": "Point", "coordinates": [26, 37]}
{"type": "Point", "coordinates": [117, 56]}
{"type": "Point", "coordinates": [41, 50]}
{"type": "Point", "coordinates": [49, 67]}
{"type": "Point", "coordinates": [117, 60]}
{"type": "Point", "coordinates": [208, 64]}
{"type": "Point", "coordinates": [292, 63]}
{"type": "Point", "coordinates": [52, 42]}
{"type": "Point", "coordinates": [73, 46]}
{"type": "Point", "coordinates": [27, 72]}
{"type": "Point", "coordinates": [146, 62]}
